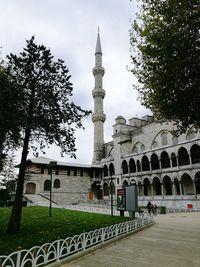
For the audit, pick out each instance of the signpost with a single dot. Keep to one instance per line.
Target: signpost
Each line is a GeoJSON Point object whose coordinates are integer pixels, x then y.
{"type": "Point", "coordinates": [121, 200]}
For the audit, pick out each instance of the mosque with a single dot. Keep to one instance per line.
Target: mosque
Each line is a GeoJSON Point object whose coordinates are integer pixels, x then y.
{"type": "Point", "coordinates": [143, 152]}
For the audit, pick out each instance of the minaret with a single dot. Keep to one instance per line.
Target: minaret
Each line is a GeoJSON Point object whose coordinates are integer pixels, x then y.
{"type": "Point", "coordinates": [98, 117]}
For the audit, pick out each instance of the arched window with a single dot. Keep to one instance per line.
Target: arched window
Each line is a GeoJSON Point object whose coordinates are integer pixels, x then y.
{"type": "Point", "coordinates": [165, 161]}
{"type": "Point", "coordinates": [174, 140]}
{"type": "Point", "coordinates": [125, 184]}
{"type": "Point", "coordinates": [183, 157]}
{"type": "Point", "coordinates": [156, 186]}
{"type": "Point", "coordinates": [155, 162]}
{"type": "Point", "coordinates": [167, 186]}
{"type": "Point", "coordinates": [174, 160]}
{"type": "Point", "coordinates": [177, 186]}
{"type": "Point", "coordinates": [164, 139]}
{"type": "Point", "coordinates": [105, 189]}
{"type": "Point", "coordinates": [197, 182]}
{"type": "Point", "coordinates": [47, 185]}
{"type": "Point", "coordinates": [187, 184]}
{"type": "Point", "coordinates": [132, 166]}
{"type": "Point", "coordinates": [191, 134]}
{"type": "Point", "coordinates": [124, 167]}
{"type": "Point", "coordinates": [105, 170]}
{"type": "Point", "coordinates": [138, 166]}
{"type": "Point", "coordinates": [145, 164]}
{"type": "Point", "coordinates": [154, 144]}
{"type": "Point", "coordinates": [134, 150]}
{"type": "Point", "coordinates": [195, 154]}
{"type": "Point", "coordinates": [147, 188]}
{"type": "Point", "coordinates": [56, 183]}
{"type": "Point", "coordinates": [142, 148]}
{"type": "Point", "coordinates": [111, 169]}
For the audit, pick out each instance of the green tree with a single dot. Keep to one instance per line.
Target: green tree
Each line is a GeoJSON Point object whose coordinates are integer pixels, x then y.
{"type": "Point", "coordinates": [165, 42]}
{"type": "Point", "coordinates": [8, 178]}
{"type": "Point", "coordinates": [9, 121]}
{"type": "Point", "coordinates": [47, 115]}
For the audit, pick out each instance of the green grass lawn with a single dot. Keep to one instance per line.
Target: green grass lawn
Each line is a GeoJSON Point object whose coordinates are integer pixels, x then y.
{"type": "Point", "coordinates": [37, 228]}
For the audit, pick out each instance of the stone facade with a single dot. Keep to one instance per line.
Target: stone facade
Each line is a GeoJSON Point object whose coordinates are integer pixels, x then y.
{"type": "Point", "coordinates": [71, 183]}
{"type": "Point", "coordinates": [165, 168]}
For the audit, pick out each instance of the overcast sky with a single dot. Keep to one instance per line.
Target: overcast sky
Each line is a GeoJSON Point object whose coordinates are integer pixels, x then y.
{"type": "Point", "coordinates": [69, 29]}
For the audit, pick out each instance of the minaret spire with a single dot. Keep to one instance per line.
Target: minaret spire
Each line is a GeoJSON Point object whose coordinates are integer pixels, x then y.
{"type": "Point", "coordinates": [98, 93]}
{"type": "Point", "coordinates": [98, 45]}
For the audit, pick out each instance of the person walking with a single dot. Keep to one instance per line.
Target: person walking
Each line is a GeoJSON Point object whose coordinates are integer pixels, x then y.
{"type": "Point", "coordinates": [149, 207]}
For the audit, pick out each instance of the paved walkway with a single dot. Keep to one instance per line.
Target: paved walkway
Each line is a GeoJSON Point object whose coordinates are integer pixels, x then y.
{"type": "Point", "coordinates": [174, 241]}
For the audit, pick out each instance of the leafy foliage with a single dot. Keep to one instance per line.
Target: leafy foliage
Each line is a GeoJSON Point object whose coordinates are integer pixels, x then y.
{"type": "Point", "coordinates": [165, 42]}
{"type": "Point", "coordinates": [45, 113]}
{"type": "Point", "coordinates": [9, 116]}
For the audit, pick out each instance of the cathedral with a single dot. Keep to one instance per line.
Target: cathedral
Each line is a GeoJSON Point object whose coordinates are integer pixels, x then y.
{"type": "Point", "coordinates": [143, 152]}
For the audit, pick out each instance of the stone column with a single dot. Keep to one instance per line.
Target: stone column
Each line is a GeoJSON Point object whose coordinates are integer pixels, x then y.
{"type": "Point", "coordinates": [162, 190]}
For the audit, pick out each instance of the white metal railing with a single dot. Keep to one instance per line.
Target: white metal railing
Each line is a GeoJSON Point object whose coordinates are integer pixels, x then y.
{"type": "Point", "coordinates": [62, 248]}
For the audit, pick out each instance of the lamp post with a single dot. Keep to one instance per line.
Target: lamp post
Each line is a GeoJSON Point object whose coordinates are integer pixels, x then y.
{"type": "Point", "coordinates": [51, 165]}
{"type": "Point", "coordinates": [111, 195]}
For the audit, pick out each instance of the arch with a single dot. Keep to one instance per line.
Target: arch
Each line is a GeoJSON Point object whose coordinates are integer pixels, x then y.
{"type": "Point", "coordinates": [105, 170]}
{"type": "Point", "coordinates": [174, 160]}
{"type": "Point", "coordinates": [187, 184]}
{"type": "Point", "coordinates": [145, 164]}
{"type": "Point", "coordinates": [154, 144]}
{"type": "Point", "coordinates": [56, 183]}
{"type": "Point", "coordinates": [30, 188]}
{"type": "Point", "coordinates": [174, 140]}
{"type": "Point", "coordinates": [147, 187]}
{"type": "Point", "coordinates": [155, 165]}
{"type": "Point", "coordinates": [164, 138]}
{"type": "Point", "coordinates": [125, 184]}
{"type": "Point", "coordinates": [183, 157]}
{"type": "Point", "coordinates": [191, 133]}
{"type": "Point", "coordinates": [47, 185]}
{"type": "Point", "coordinates": [197, 182]}
{"type": "Point", "coordinates": [132, 182]}
{"type": "Point", "coordinates": [140, 191]}
{"type": "Point", "coordinates": [167, 184]}
{"type": "Point", "coordinates": [165, 161]}
{"type": "Point", "coordinates": [177, 186]}
{"type": "Point", "coordinates": [111, 169]}
{"type": "Point", "coordinates": [156, 186]}
{"type": "Point", "coordinates": [132, 166]}
{"type": "Point", "coordinates": [138, 166]}
{"type": "Point", "coordinates": [138, 147]}
{"type": "Point", "coordinates": [195, 153]}
{"type": "Point", "coordinates": [97, 190]}
{"type": "Point", "coordinates": [124, 167]}
{"type": "Point", "coordinates": [105, 189]}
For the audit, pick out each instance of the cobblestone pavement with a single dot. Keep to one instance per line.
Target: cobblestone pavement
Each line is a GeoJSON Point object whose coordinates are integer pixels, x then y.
{"type": "Point", "coordinates": [173, 241]}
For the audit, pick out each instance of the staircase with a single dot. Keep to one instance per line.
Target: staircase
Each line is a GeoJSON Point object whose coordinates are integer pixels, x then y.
{"type": "Point", "coordinates": [36, 200]}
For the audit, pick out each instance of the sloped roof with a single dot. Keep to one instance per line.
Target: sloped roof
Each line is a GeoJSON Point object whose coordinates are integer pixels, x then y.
{"type": "Point", "coordinates": [46, 161]}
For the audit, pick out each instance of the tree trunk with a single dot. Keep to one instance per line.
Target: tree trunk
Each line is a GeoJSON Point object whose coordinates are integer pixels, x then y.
{"type": "Point", "coordinates": [15, 218]}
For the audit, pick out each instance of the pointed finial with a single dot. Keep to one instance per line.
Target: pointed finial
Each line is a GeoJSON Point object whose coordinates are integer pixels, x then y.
{"type": "Point", "coordinates": [98, 45]}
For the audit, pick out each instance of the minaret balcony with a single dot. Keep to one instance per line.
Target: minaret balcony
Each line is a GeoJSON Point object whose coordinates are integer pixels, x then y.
{"type": "Point", "coordinates": [98, 70]}
{"type": "Point", "coordinates": [98, 92]}
{"type": "Point", "coordinates": [98, 117]}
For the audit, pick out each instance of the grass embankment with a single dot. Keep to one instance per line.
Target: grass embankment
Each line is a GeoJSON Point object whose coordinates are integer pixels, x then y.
{"type": "Point", "coordinates": [37, 228]}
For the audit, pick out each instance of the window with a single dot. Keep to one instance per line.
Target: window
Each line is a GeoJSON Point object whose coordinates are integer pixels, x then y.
{"type": "Point", "coordinates": [164, 139]}
{"type": "Point", "coordinates": [47, 185]}
{"type": "Point", "coordinates": [57, 171]}
{"type": "Point", "coordinates": [56, 183]}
